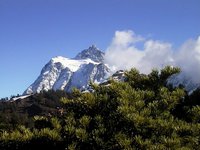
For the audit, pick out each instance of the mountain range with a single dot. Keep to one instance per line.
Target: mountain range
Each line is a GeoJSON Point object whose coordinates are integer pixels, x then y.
{"type": "Point", "coordinates": [62, 73]}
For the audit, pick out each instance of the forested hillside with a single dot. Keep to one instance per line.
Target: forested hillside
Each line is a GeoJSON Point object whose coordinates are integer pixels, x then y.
{"type": "Point", "coordinates": [143, 112]}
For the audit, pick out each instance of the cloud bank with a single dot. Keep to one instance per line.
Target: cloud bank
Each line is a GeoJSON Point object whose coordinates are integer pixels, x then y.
{"type": "Point", "coordinates": [124, 53]}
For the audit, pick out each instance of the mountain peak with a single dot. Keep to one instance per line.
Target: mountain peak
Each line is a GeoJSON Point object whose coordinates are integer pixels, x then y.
{"type": "Point", "coordinates": [93, 46]}
{"type": "Point", "coordinates": [62, 73]}
{"type": "Point", "coordinates": [92, 53]}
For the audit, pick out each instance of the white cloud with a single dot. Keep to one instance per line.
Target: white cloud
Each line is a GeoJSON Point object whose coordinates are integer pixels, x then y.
{"type": "Point", "coordinates": [156, 55]}
{"type": "Point", "coordinates": [123, 39]}
{"type": "Point", "coordinates": [188, 58]}
{"type": "Point", "coordinates": [123, 53]}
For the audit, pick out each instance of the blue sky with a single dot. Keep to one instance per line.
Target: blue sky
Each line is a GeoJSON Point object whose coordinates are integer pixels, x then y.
{"type": "Point", "coordinates": [33, 31]}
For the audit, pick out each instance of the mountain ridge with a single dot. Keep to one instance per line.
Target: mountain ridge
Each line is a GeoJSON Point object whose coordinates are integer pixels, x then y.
{"type": "Point", "coordinates": [62, 73]}
{"type": "Point", "coordinates": [92, 53]}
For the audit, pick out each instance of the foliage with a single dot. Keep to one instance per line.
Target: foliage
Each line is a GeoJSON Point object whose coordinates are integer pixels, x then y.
{"type": "Point", "coordinates": [141, 113]}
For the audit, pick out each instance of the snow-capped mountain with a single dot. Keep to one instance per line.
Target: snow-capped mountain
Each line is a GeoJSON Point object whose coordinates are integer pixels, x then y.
{"type": "Point", "coordinates": [64, 73]}
{"type": "Point", "coordinates": [184, 80]}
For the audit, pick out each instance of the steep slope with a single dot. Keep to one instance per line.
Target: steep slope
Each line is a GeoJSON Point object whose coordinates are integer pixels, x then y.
{"type": "Point", "coordinates": [64, 73]}
{"type": "Point", "coordinates": [92, 53]}
{"type": "Point", "coordinates": [86, 73]}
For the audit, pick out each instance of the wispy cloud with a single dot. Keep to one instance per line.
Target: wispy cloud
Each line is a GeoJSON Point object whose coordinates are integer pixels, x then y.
{"type": "Point", "coordinates": [123, 53]}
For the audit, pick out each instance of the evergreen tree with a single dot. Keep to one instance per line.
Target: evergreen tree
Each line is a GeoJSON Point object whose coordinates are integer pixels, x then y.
{"type": "Point", "coordinates": [141, 113]}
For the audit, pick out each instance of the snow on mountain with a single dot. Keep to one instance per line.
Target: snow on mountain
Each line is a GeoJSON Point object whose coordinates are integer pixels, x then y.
{"type": "Point", "coordinates": [88, 72]}
{"type": "Point", "coordinates": [64, 73]}
{"type": "Point", "coordinates": [183, 79]}
{"type": "Point", "coordinates": [19, 97]}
